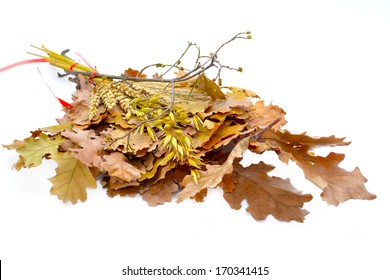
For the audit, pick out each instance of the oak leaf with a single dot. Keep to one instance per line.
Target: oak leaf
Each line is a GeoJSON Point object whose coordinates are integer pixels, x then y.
{"type": "Point", "coordinates": [200, 196]}
{"type": "Point", "coordinates": [160, 193]}
{"type": "Point", "coordinates": [264, 194]}
{"type": "Point", "coordinates": [338, 185]}
{"type": "Point", "coordinates": [91, 146]}
{"type": "Point", "coordinates": [136, 141]}
{"type": "Point", "coordinates": [233, 100]}
{"type": "Point", "coordinates": [261, 115]}
{"type": "Point", "coordinates": [223, 131]}
{"type": "Point", "coordinates": [119, 187]}
{"type": "Point", "coordinates": [72, 178]}
{"type": "Point", "coordinates": [117, 166]}
{"type": "Point", "coordinates": [213, 175]}
{"type": "Point", "coordinates": [33, 150]}
{"type": "Point", "coordinates": [124, 191]}
{"type": "Point", "coordinates": [299, 141]}
{"type": "Point", "coordinates": [134, 73]}
{"type": "Point", "coordinates": [247, 92]}
{"type": "Point", "coordinates": [15, 145]}
{"type": "Point", "coordinates": [54, 129]}
{"type": "Point", "coordinates": [117, 117]}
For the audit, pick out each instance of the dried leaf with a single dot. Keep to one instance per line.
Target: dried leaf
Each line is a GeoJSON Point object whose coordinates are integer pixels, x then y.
{"type": "Point", "coordinates": [299, 141]}
{"type": "Point", "coordinates": [118, 187]}
{"type": "Point", "coordinates": [116, 165]}
{"type": "Point", "coordinates": [136, 141]}
{"type": "Point", "coordinates": [338, 185]}
{"type": "Point", "coordinates": [200, 196]}
{"type": "Point", "coordinates": [134, 73]}
{"type": "Point", "coordinates": [223, 132]}
{"type": "Point", "coordinates": [116, 117]}
{"type": "Point", "coordinates": [261, 115]}
{"type": "Point", "coordinates": [234, 100]}
{"type": "Point", "coordinates": [33, 150]}
{"type": "Point", "coordinates": [164, 194]}
{"type": "Point", "coordinates": [57, 128]}
{"type": "Point", "coordinates": [210, 88]}
{"type": "Point", "coordinates": [91, 146]}
{"type": "Point", "coordinates": [212, 176]}
{"type": "Point", "coordinates": [72, 178]}
{"type": "Point", "coordinates": [15, 145]}
{"type": "Point", "coordinates": [266, 195]}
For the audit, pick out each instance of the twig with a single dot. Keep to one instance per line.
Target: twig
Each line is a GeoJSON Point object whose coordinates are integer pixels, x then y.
{"type": "Point", "coordinates": [199, 68]}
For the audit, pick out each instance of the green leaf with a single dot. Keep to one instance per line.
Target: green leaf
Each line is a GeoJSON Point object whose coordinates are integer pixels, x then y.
{"type": "Point", "coordinates": [72, 179]}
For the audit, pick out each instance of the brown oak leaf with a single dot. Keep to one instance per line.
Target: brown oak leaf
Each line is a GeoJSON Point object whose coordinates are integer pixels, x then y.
{"type": "Point", "coordinates": [302, 140]}
{"type": "Point", "coordinates": [338, 185]}
{"type": "Point", "coordinates": [91, 146]}
{"type": "Point", "coordinates": [224, 131]}
{"type": "Point", "coordinates": [200, 196]}
{"type": "Point", "coordinates": [137, 141]}
{"type": "Point", "coordinates": [134, 73]}
{"type": "Point", "coordinates": [160, 193]}
{"type": "Point", "coordinates": [261, 115]}
{"type": "Point", "coordinates": [233, 100]}
{"type": "Point", "coordinates": [265, 195]}
{"type": "Point", "coordinates": [116, 165]}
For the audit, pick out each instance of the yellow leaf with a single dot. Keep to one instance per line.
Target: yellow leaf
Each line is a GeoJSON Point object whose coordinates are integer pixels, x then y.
{"type": "Point", "coordinates": [72, 178]}
{"type": "Point", "coordinates": [33, 149]}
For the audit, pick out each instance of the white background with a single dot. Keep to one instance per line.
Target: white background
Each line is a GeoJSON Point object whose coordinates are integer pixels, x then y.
{"type": "Point", "coordinates": [327, 63]}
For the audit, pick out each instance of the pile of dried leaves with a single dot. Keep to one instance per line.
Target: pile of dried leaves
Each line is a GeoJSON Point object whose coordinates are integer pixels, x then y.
{"type": "Point", "coordinates": [159, 138]}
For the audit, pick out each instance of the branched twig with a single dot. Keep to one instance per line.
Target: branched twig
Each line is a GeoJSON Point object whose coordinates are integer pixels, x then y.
{"type": "Point", "coordinates": [199, 68]}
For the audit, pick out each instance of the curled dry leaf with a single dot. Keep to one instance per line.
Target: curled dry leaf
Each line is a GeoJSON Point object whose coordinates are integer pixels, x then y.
{"type": "Point", "coordinates": [158, 137]}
